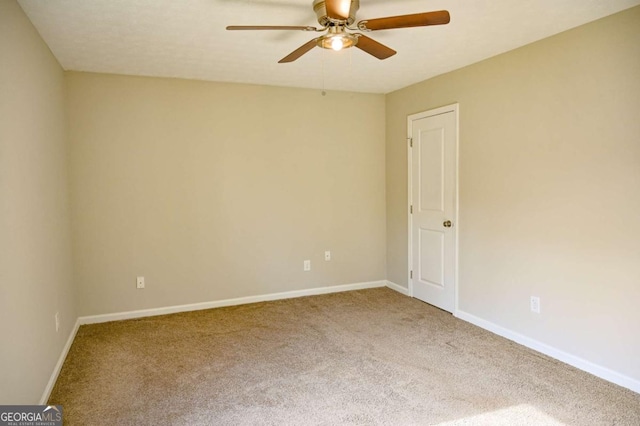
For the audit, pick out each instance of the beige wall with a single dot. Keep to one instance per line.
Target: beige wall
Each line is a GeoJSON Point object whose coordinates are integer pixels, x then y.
{"type": "Point", "coordinates": [35, 245]}
{"type": "Point", "coordinates": [214, 191]}
{"type": "Point", "coordinates": [549, 188]}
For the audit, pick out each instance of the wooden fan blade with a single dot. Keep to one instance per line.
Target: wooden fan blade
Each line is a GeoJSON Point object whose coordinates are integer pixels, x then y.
{"type": "Point", "coordinates": [299, 51]}
{"type": "Point", "coordinates": [439, 17]}
{"type": "Point", "coordinates": [272, 27]}
{"type": "Point", "coordinates": [338, 9]}
{"type": "Point", "coordinates": [374, 48]}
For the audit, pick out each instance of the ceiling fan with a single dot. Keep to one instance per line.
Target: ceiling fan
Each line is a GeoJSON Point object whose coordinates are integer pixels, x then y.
{"type": "Point", "coordinates": [337, 18]}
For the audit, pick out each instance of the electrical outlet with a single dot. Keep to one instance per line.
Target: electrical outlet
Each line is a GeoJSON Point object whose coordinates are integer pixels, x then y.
{"type": "Point", "coordinates": [57, 318]}
{"type": "Point", "coordinates": [535, 304]}
{"type": "Point", "coordinates": [140, 282]}
{"type": "Point", "coordinates": [327, 255]}
{"type": "Point", "coordinates": [307, 265]}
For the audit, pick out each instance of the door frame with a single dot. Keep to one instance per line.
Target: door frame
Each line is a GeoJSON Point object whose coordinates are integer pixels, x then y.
{"type": "Point", "coordinates": [455, 108]}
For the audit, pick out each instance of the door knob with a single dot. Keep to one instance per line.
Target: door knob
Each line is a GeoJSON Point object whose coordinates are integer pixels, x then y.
{"type": "Point", "coordinates": [447, 224]}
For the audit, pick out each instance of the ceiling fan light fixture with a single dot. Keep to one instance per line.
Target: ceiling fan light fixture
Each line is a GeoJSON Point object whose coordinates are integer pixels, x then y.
{"type": "Point", "coordinates": [337, 41]}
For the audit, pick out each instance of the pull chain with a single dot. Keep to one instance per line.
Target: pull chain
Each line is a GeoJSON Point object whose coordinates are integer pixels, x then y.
{"type": "Point", "coordinates": [324, 93]}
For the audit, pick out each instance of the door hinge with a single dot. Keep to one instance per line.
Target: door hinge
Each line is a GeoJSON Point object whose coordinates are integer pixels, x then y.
{"type": "Point", "coordinates": [410, 209]}
{"type": "Point", "coordinates": [411, 274]}
{"type": "Point", "coordinates": [410, 142]}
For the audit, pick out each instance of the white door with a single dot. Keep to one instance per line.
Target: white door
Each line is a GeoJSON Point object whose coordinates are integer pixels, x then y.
{"type": "Point", "coordinates": [433, 210]}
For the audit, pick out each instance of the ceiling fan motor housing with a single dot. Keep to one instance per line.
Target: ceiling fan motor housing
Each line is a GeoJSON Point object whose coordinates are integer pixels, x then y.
{"type": "Point", "coordinates": [321, 11]}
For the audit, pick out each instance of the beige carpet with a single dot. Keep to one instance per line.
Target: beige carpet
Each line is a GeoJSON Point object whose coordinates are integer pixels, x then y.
{"type": "Point", "coordinates": [370, 357]}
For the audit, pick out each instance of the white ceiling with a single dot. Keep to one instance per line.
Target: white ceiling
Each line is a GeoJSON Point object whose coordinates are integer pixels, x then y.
{"type": "Point", "coordinates": [187, 39]}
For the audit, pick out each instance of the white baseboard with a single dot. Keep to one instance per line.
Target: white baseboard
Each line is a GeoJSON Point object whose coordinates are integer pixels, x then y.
{"type": "Point", "coordinates": [94, 319]}
{"type": "Point", "coordinates": [584, 365]}
{"type": "Point", "coordinates": [58, 367]}
{"type": "Point", "coordinates": [398, 288]}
